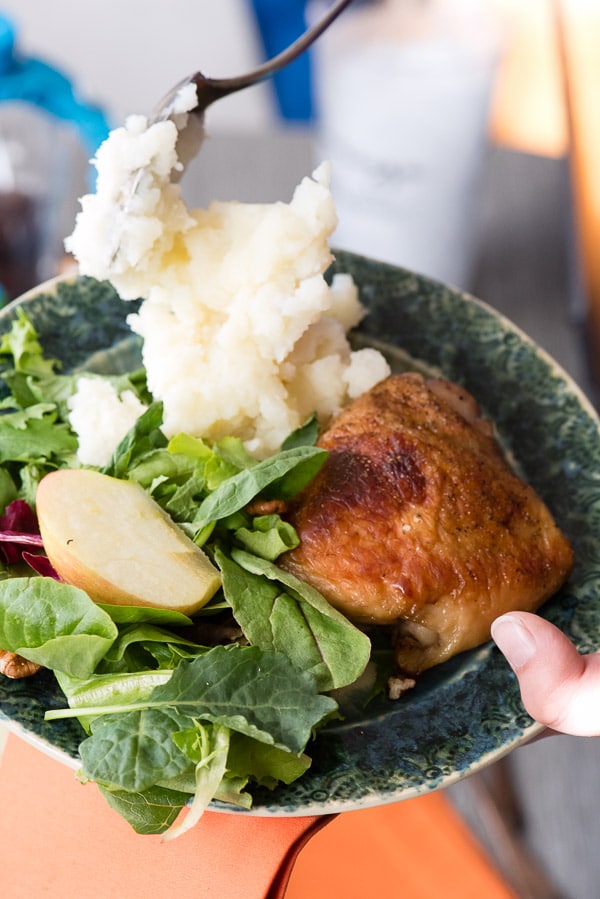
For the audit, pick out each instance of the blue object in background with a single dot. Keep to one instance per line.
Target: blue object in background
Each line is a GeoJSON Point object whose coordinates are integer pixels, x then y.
{"type": "Point", "coordinates": [44, 126]}
{"type": "Point", "coordinates": [280, 22]}
{"type": "Point", "coordinates": [33, 81]}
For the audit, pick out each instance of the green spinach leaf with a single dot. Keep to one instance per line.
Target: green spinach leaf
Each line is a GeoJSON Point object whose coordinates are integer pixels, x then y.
{"type": "Point", "coordinates": [285, 474]}
{"type": "Point", "coordinates": [53, 624]}
{"type": "Point", "coordinates": [277, 611]}
{"type": "Point", "coordinates": [150, 812]}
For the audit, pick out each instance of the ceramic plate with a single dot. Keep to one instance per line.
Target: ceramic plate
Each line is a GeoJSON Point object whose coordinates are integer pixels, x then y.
{"type": "Point", "coordinates": [465, 713]}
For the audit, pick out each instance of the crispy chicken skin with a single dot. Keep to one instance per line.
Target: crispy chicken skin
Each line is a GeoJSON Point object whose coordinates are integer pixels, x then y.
{"type": "Point", "coordinates": [416, 521]}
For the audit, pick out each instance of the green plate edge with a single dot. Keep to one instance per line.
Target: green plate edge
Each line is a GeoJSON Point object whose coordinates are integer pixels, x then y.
{"type": "Point", "coordinates": [466, 713]}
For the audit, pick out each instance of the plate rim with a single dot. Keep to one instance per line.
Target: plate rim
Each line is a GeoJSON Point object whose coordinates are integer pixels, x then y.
{"type": "Point", "coordinates": [334, 807]}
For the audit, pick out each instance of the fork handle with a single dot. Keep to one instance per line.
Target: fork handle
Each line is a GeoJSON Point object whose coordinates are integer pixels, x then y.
{"type": "Point", "coordinates": [220, 87]}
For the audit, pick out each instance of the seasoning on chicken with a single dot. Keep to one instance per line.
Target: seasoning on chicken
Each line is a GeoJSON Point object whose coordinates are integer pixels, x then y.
{"type": "Point", "coordinates": [417, 521]}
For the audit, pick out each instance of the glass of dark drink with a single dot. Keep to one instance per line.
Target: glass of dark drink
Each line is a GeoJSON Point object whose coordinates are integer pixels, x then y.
{"type": "Point", "coordinates": [20, 242]}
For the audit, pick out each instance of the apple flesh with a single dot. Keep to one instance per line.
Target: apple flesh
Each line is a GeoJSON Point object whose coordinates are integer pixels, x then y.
{"type": "Point", "coordinates": [110, 538]}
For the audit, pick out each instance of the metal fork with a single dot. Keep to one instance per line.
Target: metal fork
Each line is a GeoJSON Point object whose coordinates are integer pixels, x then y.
{"type": "Point", "coordinates": [211, 89]}
{"type": "Point", "coordinates": [191, 126]}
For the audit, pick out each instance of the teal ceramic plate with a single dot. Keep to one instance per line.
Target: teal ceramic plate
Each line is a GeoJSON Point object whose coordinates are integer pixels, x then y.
{"type": "Point", "coordinates": [466, 713]}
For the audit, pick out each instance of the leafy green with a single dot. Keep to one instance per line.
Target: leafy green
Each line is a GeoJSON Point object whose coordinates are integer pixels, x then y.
{"type": "Point", "coordinates": [134, 750]}
{"type": "Point", "coordinates": [22, 344]}
{"type": "Point", "coordinates": [277, 611]}
{"type": "Point", "coordinates": [145, 436]}
{"type": "Point", "coordinates": [142, 740]}
{"type": "Point", "coordinates": [119, 689]}
{"type": "Point", "coordinates": [208, 748]}
{"type": "Point", "coordinates": [150, 812]}
{"type": "Point", "coordinates": [267, 765]}
{"type": "Point", "coordinates": [53, 624]}
{"type": "Point", "coordinates": [258, 693]}
{"type": "Point", "coordinates": [155, 810]}
{"type": "Point", "coordinates": [138, 646]}
{"type": "Point", "coordinates": [8, 489]}
{"type": "Point", "coordinates": [35, 433]}
{"type": "Point", "coordinates": [169, 722]}
{"type": "Point", "coordinates": [136, 614]}
{"type": "Point", "coordinates": [306, 435]}
{"type": "Point", "coordinates": [285, 474]}
{"type": "Point", "coordinates": [268, 537]}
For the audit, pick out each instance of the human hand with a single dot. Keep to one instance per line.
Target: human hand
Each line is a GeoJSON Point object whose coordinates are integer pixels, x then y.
{"type": "Point", "coordinates": [560, 688]}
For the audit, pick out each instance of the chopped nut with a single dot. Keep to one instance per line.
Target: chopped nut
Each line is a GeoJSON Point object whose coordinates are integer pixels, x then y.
{"type": "Point", "coordinates": [266, 507]}
{"type": "Point", "coordinates": [397, 685]}
{"type": "Point", "coordinates": [15, 666]}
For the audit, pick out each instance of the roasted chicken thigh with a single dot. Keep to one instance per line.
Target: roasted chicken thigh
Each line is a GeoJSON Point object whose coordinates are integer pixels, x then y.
{"type": "Point", "coordinates": [417, 521]}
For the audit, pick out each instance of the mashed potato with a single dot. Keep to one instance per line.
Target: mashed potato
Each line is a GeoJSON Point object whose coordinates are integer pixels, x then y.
{"type": "Point", "coordinates": [101, 417]}
{"type": "Point", "coordinates": [241, 333]}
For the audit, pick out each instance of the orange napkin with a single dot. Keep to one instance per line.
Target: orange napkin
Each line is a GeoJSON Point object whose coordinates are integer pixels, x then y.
{"type": "Point", "coordinates": [416, 849]}
{"type": "Point", "coordinates": [60, 838]}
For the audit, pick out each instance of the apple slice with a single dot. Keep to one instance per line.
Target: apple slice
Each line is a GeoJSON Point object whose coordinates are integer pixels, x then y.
{"type": "Point", "coordinates": [110, 538]}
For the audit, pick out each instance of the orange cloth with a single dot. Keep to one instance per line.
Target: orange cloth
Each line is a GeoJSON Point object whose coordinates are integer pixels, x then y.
{"type": "Point", "coordinates": [416, 849]}
{"type": "Point", "coordinates": [59, 838]}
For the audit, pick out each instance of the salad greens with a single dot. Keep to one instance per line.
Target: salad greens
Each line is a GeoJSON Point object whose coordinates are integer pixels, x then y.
{"type": "Point", "coordinates": [174, 711]}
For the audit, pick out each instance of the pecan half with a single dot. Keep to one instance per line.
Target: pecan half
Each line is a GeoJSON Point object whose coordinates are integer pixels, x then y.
{"type": "Point", "coordinates": [15, 666]}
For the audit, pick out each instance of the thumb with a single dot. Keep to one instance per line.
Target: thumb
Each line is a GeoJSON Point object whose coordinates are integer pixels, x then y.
{"type": "Point", "coordinates": [559, 687]}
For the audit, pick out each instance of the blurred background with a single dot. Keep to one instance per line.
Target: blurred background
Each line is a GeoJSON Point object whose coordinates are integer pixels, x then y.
{"type": "Point", "coordinates": [406, 97]}
{"type": "Point", "coordinates": [465, 141]}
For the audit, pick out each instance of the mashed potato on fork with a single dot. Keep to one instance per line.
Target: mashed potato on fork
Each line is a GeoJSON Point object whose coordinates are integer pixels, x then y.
{"type": "Point", "coordinates": [242, 335]}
